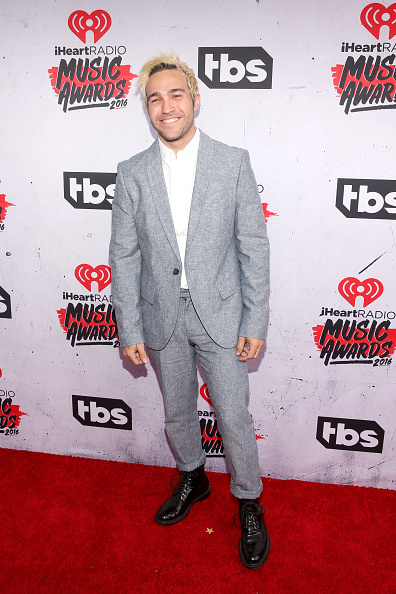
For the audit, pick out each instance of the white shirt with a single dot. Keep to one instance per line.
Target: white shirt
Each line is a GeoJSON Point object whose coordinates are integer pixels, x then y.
{"type": "Point", "coordinates": [179, 171]}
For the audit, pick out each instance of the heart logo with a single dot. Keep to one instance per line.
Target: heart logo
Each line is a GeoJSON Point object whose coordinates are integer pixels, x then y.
{"type": "Point", "coordinates": [203, 390]}
{"type": "Point", "coordinates": [86, 274]}
{"type": "Point", "coordinates": [98, 21]}
{"type": "Point", "coordinates": [375, 15]}
{"type": "Point", "coordinates": [370, 289]}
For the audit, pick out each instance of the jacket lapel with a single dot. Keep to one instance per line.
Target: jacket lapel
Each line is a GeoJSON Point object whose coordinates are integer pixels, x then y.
{"type": "Point", "coordinates": [202, 177]}
{"type": "Point", "coordinates": [159, 193]}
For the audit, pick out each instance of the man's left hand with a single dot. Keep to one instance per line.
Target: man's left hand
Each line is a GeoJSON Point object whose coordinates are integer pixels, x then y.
{"type": "Point", "coordinates": [248, 348]}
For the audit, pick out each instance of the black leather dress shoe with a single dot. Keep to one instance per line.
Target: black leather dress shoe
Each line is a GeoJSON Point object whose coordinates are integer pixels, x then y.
{"type": "Point", "coordinates": [255, 544]}
{"type": "Point", "coordinates": [192, 487]}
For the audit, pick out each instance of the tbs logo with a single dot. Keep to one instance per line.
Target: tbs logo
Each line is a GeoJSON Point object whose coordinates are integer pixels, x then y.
{"type": "Point", "coordinates": [235, 67]}
{"type": "Point", "coordinates": [102, 412]}
{"type": "Point", "coordinates": [367, 198]}
{"type": "Point", "coordinates": [350, 434]}
{"type": "Point", "coordinates": [89, 190]}
{"type": "Point", "coordinates": [5, 304]}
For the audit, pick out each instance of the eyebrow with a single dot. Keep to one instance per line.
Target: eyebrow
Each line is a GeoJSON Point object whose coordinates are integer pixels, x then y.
{"type": "Point", "coordinates": [157, 94]}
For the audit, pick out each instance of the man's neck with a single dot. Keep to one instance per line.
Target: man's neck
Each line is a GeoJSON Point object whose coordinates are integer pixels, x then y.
{"type": "Point", "coordinates": [180, 144]}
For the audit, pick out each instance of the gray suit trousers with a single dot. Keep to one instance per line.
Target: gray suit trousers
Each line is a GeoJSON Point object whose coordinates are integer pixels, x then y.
{"type": "Point", "coordinates": [228, 385]}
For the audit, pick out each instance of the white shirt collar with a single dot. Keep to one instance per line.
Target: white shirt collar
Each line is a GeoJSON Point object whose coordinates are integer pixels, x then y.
{"type": "Point", "coordinates": [168, 154]}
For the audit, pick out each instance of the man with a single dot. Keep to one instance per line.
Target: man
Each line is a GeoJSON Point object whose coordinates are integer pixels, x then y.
{"type": "Point", "coordinates": [190, 276]}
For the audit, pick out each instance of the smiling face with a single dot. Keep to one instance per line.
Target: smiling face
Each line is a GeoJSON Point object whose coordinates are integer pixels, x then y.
{"type": "Point", "coordinates": [170, 108]}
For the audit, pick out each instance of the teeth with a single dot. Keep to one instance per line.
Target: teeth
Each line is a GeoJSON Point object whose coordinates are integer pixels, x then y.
{"type": "Point", "coordinates": [170, 120]}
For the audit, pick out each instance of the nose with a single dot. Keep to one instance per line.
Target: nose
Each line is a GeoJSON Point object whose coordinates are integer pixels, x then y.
{"type": "Point", "coordinates": [167, 106]}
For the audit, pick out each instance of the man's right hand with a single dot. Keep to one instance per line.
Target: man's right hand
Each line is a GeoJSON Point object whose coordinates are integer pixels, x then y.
{"type": "Point", "coordinates": [136, 353]}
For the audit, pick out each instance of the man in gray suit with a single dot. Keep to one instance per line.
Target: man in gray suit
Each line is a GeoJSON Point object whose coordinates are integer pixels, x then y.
{"type": "Point", "coordinates": [190, 277]}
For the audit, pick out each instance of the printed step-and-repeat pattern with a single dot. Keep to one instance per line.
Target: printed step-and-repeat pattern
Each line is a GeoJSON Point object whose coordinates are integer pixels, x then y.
{"type": "Point", "coordinates": [309, 89]}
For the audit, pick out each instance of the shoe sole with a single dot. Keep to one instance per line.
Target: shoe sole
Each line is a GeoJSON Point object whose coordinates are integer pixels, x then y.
{"type": "Point", "coordinates": [259, 563]}
{"type": "Point", "coordinates": [202, 497]}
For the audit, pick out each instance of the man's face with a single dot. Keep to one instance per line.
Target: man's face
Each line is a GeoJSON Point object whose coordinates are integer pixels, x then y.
{"type": "Point", "coordinates": [170, 108]}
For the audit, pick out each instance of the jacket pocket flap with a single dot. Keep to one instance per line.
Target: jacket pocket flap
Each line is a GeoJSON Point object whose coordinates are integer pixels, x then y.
{"type": "Point", "coordinates": [147, 293]}
{"type": "Point", "coordinates": [230, 286]}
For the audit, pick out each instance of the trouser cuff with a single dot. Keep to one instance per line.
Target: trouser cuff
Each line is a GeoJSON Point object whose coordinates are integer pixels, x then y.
{"type": "Point", "coordinates": [240, 493]}
{"type": "Point", "coordinates": [192, 465]}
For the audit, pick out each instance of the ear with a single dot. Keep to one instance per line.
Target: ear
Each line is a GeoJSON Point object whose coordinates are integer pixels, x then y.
{"type": "Point", "coordinates": [197, 102]}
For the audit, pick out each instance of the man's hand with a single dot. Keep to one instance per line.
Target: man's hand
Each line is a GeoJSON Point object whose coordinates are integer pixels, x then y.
{"type": "Point", "coordinates": [136, 353]}
{"type": "Point", "coordinates": [248, 348]}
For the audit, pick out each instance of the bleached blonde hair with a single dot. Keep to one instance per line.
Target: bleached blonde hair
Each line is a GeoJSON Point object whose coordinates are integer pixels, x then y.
{"type": "Point", "coordinates": [167, 61]}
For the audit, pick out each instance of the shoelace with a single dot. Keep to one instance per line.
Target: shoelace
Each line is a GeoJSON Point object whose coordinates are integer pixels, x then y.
{"type": "Point", "coordinates": [249, 516]}
{"type": "Point", "coordinates": [183, 483]}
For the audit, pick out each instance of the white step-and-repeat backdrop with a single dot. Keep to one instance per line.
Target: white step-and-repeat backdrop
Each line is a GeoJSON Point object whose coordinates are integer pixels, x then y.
{"type": "Point", "coordinates": [309, 89]}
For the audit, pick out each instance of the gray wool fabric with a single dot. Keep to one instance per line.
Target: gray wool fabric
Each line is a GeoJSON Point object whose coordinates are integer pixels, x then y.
{"type": "Point", "coordinates": [227, 270]}
{"type": "Point", "coordinates": [227, 252]}
{"type": "Point", "coordinates": [228, 384]}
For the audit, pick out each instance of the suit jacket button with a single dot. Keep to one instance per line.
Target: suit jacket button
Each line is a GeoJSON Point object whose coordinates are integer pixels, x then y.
{"type": "Point", "coordinates": [176, 271]}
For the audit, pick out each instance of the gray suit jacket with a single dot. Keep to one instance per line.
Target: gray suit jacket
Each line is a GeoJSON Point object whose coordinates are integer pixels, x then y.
{"type": "Point", "coordinates": [227, 252]}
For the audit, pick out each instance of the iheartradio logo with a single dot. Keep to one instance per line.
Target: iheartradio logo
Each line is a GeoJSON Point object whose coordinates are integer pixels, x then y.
{"type": "Point", "coordinates": [80, 22]}
{"type": "Point", "coordinates": [375, 15]}
{"type": "Point", "coordinates": [86, 275]}
{"type": "Point", "coordinates": [205, 393]}
{"type": "Point", "coordinates": [370, 289]}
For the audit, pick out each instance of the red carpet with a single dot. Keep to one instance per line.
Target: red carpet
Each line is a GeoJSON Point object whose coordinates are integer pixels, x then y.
{"type": "Point", "coordinates": [82, 525]}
